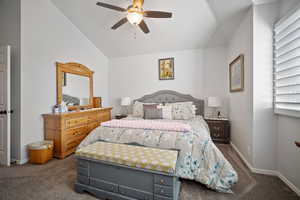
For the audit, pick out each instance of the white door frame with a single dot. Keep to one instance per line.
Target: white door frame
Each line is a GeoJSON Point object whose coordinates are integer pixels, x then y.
{"type": "Point", "coordinates": [5, 143]}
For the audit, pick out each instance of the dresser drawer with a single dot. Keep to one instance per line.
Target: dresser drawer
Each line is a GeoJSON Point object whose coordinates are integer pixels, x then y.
{"type": "Point", "coordinates": [72, 143]}
{"type": "Point", "coordinates": [74, 133]}
{"type": "Point", "coordinates": [105, 116]}
{"type": "Point", "coordinates": [163, 190]}
{"type": "Point", "coordinates": [163, 180]}
{"type": "Point", "coordinates": [137, 194]}
{"type": "Point", "coordinates": [92, 126]}
{"type": "Point", "coordinates": [76, 122]}
{"type": "Point", "coordinates": [104, 185]}
{"type": "Point", "coordinates": [94, 118]}
{"type": "Point", "coordinates": [83, 179]}
{"type": "Point", "coordinates": [157, 197]}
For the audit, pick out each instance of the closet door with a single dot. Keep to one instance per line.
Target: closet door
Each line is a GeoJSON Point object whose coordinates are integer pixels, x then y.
{"type": "Point", "coordinates": [5, 110]}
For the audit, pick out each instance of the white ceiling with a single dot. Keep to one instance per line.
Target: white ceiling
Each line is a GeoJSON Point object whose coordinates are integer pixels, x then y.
{"type": "Point", "coordinates": [195, 24]}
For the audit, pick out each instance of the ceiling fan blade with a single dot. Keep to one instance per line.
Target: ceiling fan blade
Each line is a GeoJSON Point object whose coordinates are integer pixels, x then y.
{"type": "Point", "coordinates": [144, 27]}
{"type": "Point", "coordinates": [157, 14]}
{"type": "Point", "coordinates": [105, 5]}
{"type": "Point", "coordinates": [120, 23]}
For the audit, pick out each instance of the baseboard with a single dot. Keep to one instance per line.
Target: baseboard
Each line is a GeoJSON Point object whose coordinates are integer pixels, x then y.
{"type": "Point", "coordinates": [22, 162]}
{"type": "Point", "coordinates": [289, 183]}
{"type": "Point", "coordinates": [266, 172]}
{"type": "Point", "coordinates": [242, 157]}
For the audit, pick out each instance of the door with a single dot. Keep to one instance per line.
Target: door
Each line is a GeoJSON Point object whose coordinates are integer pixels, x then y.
{"type": "Point", "coordinates": [5, 111]}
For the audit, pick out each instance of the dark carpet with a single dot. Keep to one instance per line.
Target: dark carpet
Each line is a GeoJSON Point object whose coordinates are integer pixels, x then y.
{"type": "Point", "coordinates": [55, 180]}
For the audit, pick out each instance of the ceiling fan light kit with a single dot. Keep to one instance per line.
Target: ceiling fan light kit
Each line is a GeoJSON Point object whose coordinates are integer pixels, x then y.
{"type": "Point", "coordinates": [135, 17]}
{"type": "Point", "coordinates": [135, 14]}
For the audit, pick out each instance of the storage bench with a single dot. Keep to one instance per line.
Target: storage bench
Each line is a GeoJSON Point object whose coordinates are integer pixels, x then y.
{"type": "Point", "coordinates": [125, 172]}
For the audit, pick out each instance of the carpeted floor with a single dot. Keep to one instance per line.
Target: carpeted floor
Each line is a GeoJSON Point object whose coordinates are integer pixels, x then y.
{"type": "Point", "coordinates": [54, 181]}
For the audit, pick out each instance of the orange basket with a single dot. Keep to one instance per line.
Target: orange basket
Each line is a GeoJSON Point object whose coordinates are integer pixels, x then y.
{"type": "Point", "coordinates": [40, 152]}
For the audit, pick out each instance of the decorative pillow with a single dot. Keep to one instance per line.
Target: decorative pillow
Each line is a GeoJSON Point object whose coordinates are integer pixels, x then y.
{"type": "Point", "coordinates": [183, 110]}
{"type": "Point", "coordinates": [137, 110]}
{"type": "Point", "coordinates": [166, 111]}
{"type": "Point", "coordinates": [152, 112]}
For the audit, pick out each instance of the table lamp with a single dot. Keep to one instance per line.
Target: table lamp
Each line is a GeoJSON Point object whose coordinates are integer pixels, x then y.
{"type": "Point", "coordinates": [126, 102]}
{"type": "Point", "coordinates": [215, 103]}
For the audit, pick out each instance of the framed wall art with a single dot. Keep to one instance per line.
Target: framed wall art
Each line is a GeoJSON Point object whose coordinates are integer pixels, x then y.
{"type": "Point", "coordinates": [236, 74]}
{"type": "Point", "coordinates": [166, 69]}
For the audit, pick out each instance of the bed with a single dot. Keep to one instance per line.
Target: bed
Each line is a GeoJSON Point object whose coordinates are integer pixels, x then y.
{"type": "Point", "coordinates": [199, 159]}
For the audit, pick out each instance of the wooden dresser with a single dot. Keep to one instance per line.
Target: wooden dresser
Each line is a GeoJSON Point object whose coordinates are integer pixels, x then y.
{"type": "Point", "coordinates": [67, 130]}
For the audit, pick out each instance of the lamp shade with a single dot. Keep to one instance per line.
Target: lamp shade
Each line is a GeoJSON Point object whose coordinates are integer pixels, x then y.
{"type": "Point", "coordinates": [125, 101]}
{"type": "Point", "coordinates": [214, 102]}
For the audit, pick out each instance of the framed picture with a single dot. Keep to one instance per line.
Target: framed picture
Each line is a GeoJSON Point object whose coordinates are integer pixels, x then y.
{"type": "Point", "coordinates": [236, 74]}
{"type": "Point", "coordinates": [166, 69]}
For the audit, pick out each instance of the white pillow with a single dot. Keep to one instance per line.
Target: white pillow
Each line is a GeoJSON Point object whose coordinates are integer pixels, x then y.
{"type": "Point", "coordinates": [183, 110]}
{"type": "Point", "coordinates": [166, 111]}
{"type": "Point", "coordinates": [138, 110]}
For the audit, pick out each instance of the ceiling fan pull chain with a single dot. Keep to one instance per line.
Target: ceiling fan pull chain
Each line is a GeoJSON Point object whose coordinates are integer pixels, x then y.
{"type": "Point", "coordinates": [135, 34]}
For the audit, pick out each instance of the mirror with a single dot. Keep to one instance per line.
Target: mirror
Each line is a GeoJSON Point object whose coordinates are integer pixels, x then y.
{"type": "Point", "coordinates": [75, 90]}
{"type": "Point", "coordinates": [74, 85]}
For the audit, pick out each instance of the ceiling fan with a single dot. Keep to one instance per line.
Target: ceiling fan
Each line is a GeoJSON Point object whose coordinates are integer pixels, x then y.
{"type": "Point", "coordinates": [135, 14]}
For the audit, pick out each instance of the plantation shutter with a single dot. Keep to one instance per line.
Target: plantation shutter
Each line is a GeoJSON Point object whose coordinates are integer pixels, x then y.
{"type": "Point", "coordinates": [287, 65]}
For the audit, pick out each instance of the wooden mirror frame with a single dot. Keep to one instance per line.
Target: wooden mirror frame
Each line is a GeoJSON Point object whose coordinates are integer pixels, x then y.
{"type": "Point", "coordinates": [73, 68]}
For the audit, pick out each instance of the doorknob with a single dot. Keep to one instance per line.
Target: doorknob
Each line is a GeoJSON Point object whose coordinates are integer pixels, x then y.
{"type": "Point", "coordinates": [3, 112]}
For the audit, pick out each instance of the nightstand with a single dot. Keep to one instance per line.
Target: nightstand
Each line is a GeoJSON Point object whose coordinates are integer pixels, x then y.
{"type": "Point", "coordinates": [120, 116]}
{"type": "Point", "coordinates": [219, 129]}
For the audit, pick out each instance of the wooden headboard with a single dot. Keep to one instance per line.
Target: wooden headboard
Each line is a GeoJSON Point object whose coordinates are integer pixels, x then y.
{"type": "Point", "coordinates": [169, 96]}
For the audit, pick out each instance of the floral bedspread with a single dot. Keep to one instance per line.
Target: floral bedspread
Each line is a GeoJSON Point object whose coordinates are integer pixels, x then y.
{"type": "Point", "coordinates": [199, 159]}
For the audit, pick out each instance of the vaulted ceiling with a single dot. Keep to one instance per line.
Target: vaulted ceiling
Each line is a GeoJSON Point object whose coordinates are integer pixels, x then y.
{"type": "Point", "coordinates": [195, 24]}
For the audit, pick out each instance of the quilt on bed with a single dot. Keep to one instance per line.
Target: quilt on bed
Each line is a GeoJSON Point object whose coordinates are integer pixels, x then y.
{"type": "Point", "coordinates": [199, 159]}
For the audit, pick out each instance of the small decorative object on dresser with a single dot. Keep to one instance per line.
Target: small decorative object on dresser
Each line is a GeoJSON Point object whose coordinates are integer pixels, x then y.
{"type": "Point", "coordinates": [219, 129]}
{"type": "Point", "coordinates": [97, 102]}
{"type": "Point", "coordinates": [120, 116]}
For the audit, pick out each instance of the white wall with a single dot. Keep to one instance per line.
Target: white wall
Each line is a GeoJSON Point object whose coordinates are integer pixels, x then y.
{"type": "Point", "coordinates": [10, 35]}
{"type": "Point", "coordinates": [264, 120]}
{"type": "Point", "coordinates": [137, 76]}
{"type": "Point", "coordinates": [215, 76]}
{"type": "Point", "coordinates": [288, 158]}
{"type": "Point", "coordinates": [240, 103]}
{"type": "Point", "coordinates": [48, 36]}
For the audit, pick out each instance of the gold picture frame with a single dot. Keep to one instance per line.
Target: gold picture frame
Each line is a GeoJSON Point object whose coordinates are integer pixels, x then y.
{"type": "Point", "coordinates": [166, 69]}
{"type": "Point", "coordinates": [236, 74]}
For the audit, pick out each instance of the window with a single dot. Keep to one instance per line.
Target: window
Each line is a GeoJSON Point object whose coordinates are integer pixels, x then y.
{"type": "Point", "coordinates": [287, 65]}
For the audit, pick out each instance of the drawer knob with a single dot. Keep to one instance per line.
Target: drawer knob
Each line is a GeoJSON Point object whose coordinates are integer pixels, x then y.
{"type": "Point", "coordinates": [162, 191]}
{"type": "Point", "coordinates": [162, 181]}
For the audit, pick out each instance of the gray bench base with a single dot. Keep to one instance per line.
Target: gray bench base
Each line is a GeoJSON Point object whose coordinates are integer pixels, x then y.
{"type": "Point", "coordinates": [117, 182]}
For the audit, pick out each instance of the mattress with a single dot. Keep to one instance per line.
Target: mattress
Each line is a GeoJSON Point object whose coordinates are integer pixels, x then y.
{"type": "Point", "coordinates": [133, 156]}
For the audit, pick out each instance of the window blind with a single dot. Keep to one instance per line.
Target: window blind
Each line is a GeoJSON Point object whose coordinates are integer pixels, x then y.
{"type": "Point", "coordinates": [287, 65]}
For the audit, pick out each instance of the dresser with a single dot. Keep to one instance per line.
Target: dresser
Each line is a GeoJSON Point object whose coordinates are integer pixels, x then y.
{"type": "Point", "coordinates": [219, 129]}
{"type": "Point", "coordinates": [67, 130]}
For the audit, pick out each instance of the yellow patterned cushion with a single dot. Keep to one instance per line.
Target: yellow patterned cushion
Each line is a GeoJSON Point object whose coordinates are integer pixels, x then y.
{"type": "Point", "coordinates": [133, 156]}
